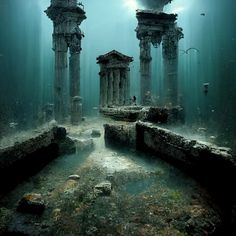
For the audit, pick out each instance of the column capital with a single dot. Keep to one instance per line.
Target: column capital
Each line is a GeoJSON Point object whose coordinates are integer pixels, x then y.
{"type": "Point", "coordinates": [170, 42]}
{"type": "Point", "coordinates": [74, 40]}
{"type": "Point", "coordinates": [145, 48]}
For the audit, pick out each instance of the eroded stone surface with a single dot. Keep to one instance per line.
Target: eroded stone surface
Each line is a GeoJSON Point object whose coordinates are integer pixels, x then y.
{"type": "Point", "coordinates": [31, 203]}
{"type": "Point", "coordinates": [103, 188]}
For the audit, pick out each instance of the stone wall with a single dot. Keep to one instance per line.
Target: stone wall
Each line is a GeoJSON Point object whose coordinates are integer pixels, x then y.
{"type": "Point", "coordinates": [213, 166]}
{"type": "Point", "coordinates": [25, 158]}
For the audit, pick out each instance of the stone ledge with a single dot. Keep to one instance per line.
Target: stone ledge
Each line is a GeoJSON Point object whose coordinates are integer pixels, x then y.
{"type": "Point", "coordinates": [158, 115]}
{"type": "Point", "coordinates": [25, 158]}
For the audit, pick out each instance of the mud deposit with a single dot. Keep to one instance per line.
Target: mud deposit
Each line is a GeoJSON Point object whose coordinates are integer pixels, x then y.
{"type": "Point", "coordinates": [110, 193]}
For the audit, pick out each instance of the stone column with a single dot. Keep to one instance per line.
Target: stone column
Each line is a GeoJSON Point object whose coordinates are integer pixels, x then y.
{"type": "Point", "coordinates": [75, 48]}
{"type": "Point", "coordinates": [116, 91]}
{"type": "Point", "coordinates": [145, 67]}
{"type": "Point", "coordinates": [60, 48]}
{"type": "Point", "coordinates": [122, 88]}
{"type": "Point", "coordinates": [105, 88]}
{"type": "Point", "coordinates": [110, 88]}
{"type": "Point", "coordinates": [127, 86]}
{"type": "Point", "coordinates": [101, 98]}
{"type": "Point", "coordinates": [170, 60]}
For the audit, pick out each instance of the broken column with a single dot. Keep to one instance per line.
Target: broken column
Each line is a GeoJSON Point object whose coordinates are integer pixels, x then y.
{"type": "Point", "coordinates": [114, 79]}
{"type": "Point", "coordinates": [66, 17]}
{"type": "Point", "coordinates": [170, 63]}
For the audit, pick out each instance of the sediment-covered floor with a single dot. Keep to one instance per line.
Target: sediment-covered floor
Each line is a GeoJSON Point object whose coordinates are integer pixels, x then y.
{"type": "Point", "coordinates": [113, 192]}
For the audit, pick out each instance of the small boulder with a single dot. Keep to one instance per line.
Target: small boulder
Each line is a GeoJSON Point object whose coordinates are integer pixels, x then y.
{"type": "Point", "coordinates": [103, 188]}
{"type": "Point", "coordinates": [84, 144]}
{"type": "Point", "coordinates": [74, 177]}
{"type": "Point", "coordinates": [96, 133]}
{"type": "Point", "coordinates": [31, 203]}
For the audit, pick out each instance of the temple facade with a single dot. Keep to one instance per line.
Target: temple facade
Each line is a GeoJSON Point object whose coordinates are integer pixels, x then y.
{"type": "Point", "coordinates": [153, 28]}
{"type": "Point", "coordinates": [67, 17]}
{"type": "Point", "coordinates": [114, 79]}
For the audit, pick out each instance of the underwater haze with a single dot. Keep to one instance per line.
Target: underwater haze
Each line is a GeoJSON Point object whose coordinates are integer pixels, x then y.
{"type": "Point", "coordinates": [27, 59]}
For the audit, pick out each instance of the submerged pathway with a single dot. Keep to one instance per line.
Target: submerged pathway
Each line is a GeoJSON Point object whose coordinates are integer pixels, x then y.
{"type": "Point", "coordinates": [110, 192]}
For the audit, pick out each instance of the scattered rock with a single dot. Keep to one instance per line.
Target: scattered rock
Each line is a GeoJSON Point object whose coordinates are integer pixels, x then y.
{"type": "Point", "coordinates": [31, 203]}
{"type": "Point", "coordinates": [103, 188]}
{"type": "Point", "coordinates": [96, 133]}
{"type": "Point", "coordinates": [84, 144]}
{"type": "Point", "coordinates": [67, 146]}
{"type": "Point", "coordinates": [74, 177]}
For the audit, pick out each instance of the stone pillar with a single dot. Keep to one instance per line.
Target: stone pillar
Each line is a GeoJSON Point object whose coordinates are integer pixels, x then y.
{"type": "Point", "coordinates": [110, 88]}
{"type": "Point", "coordinates": [75, 48]}
{"type": "Point", "coordinates": [60, 48]}
{"type": "Point", "coordinates": [116, 88]}
{"type": "Point", "coordinates": [145, 67]}
{"type": "Point", "coordinates": [66, 17]}
{"type": "Point", "coordinates": [103, 88]}
{"type": "Point", "coordinates": [170, 60]}
{"type": "Point", "coordinates": [122, 88]}
{"type": "Point", "coordinates": [127, 86]}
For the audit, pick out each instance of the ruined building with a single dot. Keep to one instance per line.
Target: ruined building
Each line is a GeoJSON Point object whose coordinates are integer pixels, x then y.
{"type": "Point", "coordinates": [114, 79]}
{"type": "Point", "coordinates": [67, 17]}
{"type": "Point", "coordinates": [153, 28]}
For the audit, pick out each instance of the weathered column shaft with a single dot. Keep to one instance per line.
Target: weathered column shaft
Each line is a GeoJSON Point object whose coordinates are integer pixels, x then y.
{"type": "Point", "coordinates": [110, 88]}
{"type": "Point", "coordinates": [60, 48]}
{"type": "Point", "coordinates": [75, 48]}
{"type": "Point", "coordinates": [116, 84]}
{"type": "Point", "coordinates": [105, 88]}
{"type": "Point", "coordinates": [122, 88]}
{"type": "Point", "coordinates": [127, 86]}
{"type": "Point", "coordinates": [145, 67]}
{"type": "Point", "coordinates": [170, 60]}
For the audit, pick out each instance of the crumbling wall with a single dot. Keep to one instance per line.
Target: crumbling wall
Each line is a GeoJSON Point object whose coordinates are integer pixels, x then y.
{"type": "Point", "coordinates": [25, 158]}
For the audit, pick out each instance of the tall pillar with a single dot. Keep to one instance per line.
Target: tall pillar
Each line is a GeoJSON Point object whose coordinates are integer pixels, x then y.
{"type": "Point", "coordinates": [122, 88]}
{"type": "Point", "coordinates": [127, 86]}
{"type": "Point", "coordinates": [110, 88]}
{"type": "Point", "coordinates": [170, 60]}
{"type": "Point", "coordinates": [60, 48]}
{"type": "Point", "coordinates": [102, 84]}
{"type": "Point", "coordinates": [66, 17]}
{"type": "Point", "coordinates": [75, 48]}
{"type": "Point", "coordinates": [145, 67]}
{"type": "Point", "coordinates": [105, 88]}
{"type": "Point", "coordinates": [116, 89]}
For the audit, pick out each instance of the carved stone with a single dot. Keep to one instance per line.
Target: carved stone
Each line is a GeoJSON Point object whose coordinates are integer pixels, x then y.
{"type": "Point", "coordinates": [114, 79]}
{"type": "Point", "coordinates": [66, 17]}
{"type": "Point", "coordinates": [153, 27]}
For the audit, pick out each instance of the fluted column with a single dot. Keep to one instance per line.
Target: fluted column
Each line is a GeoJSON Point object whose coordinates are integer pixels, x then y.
{"type": "Point", "coordinates": [75, 48]}
{"type": "Point", "coordinates": [60, 48]}
{"type": "Point", "coordinates": [122, 88]}
{"type": "Point", "coordinates": [170, 60]}
{"type": "Point", "coordinates": [116, 88]}
{"type": "Point", "coordinates": [103, 88]}
{"type": "Point", "coordinates": [105, 82]}
{"type": "Point", "coordinates": [127, 86]}
{"type": "Point", "coordinates": [110, 88]}
{"type": "Point", "coordinates": [145, 67]}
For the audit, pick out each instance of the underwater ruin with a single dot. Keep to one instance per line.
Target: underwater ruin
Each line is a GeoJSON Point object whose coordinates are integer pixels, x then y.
{"type": "Point", "coordinates": [117, 117]}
